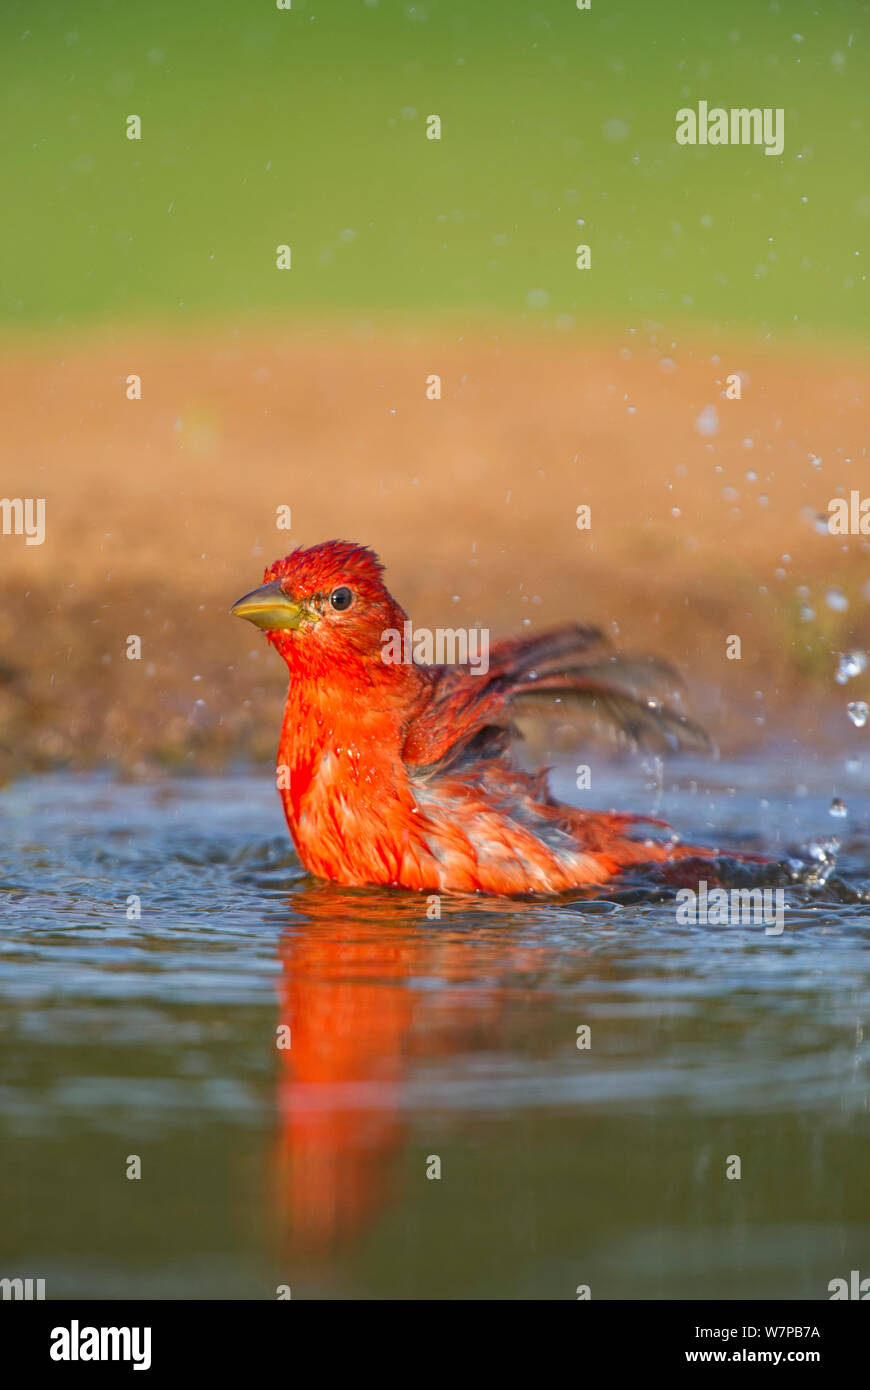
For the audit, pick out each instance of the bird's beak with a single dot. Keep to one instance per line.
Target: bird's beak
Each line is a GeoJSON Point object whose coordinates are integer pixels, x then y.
{"type": "Point", "coordinates": [269, 607]}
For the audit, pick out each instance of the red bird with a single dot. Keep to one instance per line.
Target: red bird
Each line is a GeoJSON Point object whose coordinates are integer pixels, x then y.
{"type": "Point", "coordinates": [394, 772]}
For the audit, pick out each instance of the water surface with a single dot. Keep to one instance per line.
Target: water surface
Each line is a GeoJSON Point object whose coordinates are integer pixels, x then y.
{"type": "Point", "coordinates": [414, 1040]}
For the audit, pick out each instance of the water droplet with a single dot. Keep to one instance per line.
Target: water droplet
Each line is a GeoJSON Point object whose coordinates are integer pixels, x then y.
{"type": "Point", "coordinates": [836, 599]}
{"type": "Point", "coordinates": [858, 711]}
{"type": "Point", "coordinates": [707, 422]}
{"type": "Point", "coordinates": [838, 807]}
{"type": "Point", "coordinates": [850, 665]}
{"type": "Point", "coordinates": [824, 853]}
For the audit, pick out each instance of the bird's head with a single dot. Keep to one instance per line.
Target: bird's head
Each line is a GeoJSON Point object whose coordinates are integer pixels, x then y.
{"type": "Point", "coordinates": [324, 605]}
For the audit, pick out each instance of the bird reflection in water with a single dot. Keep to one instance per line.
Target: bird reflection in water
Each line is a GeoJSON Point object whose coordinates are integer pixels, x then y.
{"type": "Point", "coordinates": [353, 993]}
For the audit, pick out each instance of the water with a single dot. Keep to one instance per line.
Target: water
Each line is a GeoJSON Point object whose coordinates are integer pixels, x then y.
{"type": "Point", "coordinates": [414, 1040]}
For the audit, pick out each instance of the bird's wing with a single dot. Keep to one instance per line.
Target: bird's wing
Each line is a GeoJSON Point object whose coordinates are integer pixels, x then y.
{"type": "Point", "coordinates": [568, 672]}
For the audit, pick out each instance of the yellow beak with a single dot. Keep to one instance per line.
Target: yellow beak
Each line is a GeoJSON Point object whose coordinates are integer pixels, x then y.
{"type": "Point", "coordinates": [270, 608]}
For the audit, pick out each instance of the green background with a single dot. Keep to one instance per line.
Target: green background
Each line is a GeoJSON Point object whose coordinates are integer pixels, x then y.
{"type": "Point", "coordinates": [307, 127]}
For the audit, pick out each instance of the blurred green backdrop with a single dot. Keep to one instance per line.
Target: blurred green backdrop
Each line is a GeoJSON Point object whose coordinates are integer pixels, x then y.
{"type": "Point", "coordinates": [262, 126]}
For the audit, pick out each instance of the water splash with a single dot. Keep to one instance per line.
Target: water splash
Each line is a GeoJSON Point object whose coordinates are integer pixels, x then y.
{"type": "Point", "coordinates": [851, 664]}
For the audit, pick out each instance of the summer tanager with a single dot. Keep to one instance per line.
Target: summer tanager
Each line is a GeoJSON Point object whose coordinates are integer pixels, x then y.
{"type": "Point", "coordinates": [395, 772]}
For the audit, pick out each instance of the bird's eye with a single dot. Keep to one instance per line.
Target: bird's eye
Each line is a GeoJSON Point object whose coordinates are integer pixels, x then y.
{"type": "Point", "coordinates": [341, 598]}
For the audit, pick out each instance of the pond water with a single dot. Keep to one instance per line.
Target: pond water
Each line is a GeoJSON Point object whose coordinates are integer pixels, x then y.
{"type": "Point", "coordinates": [417, 1045]}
